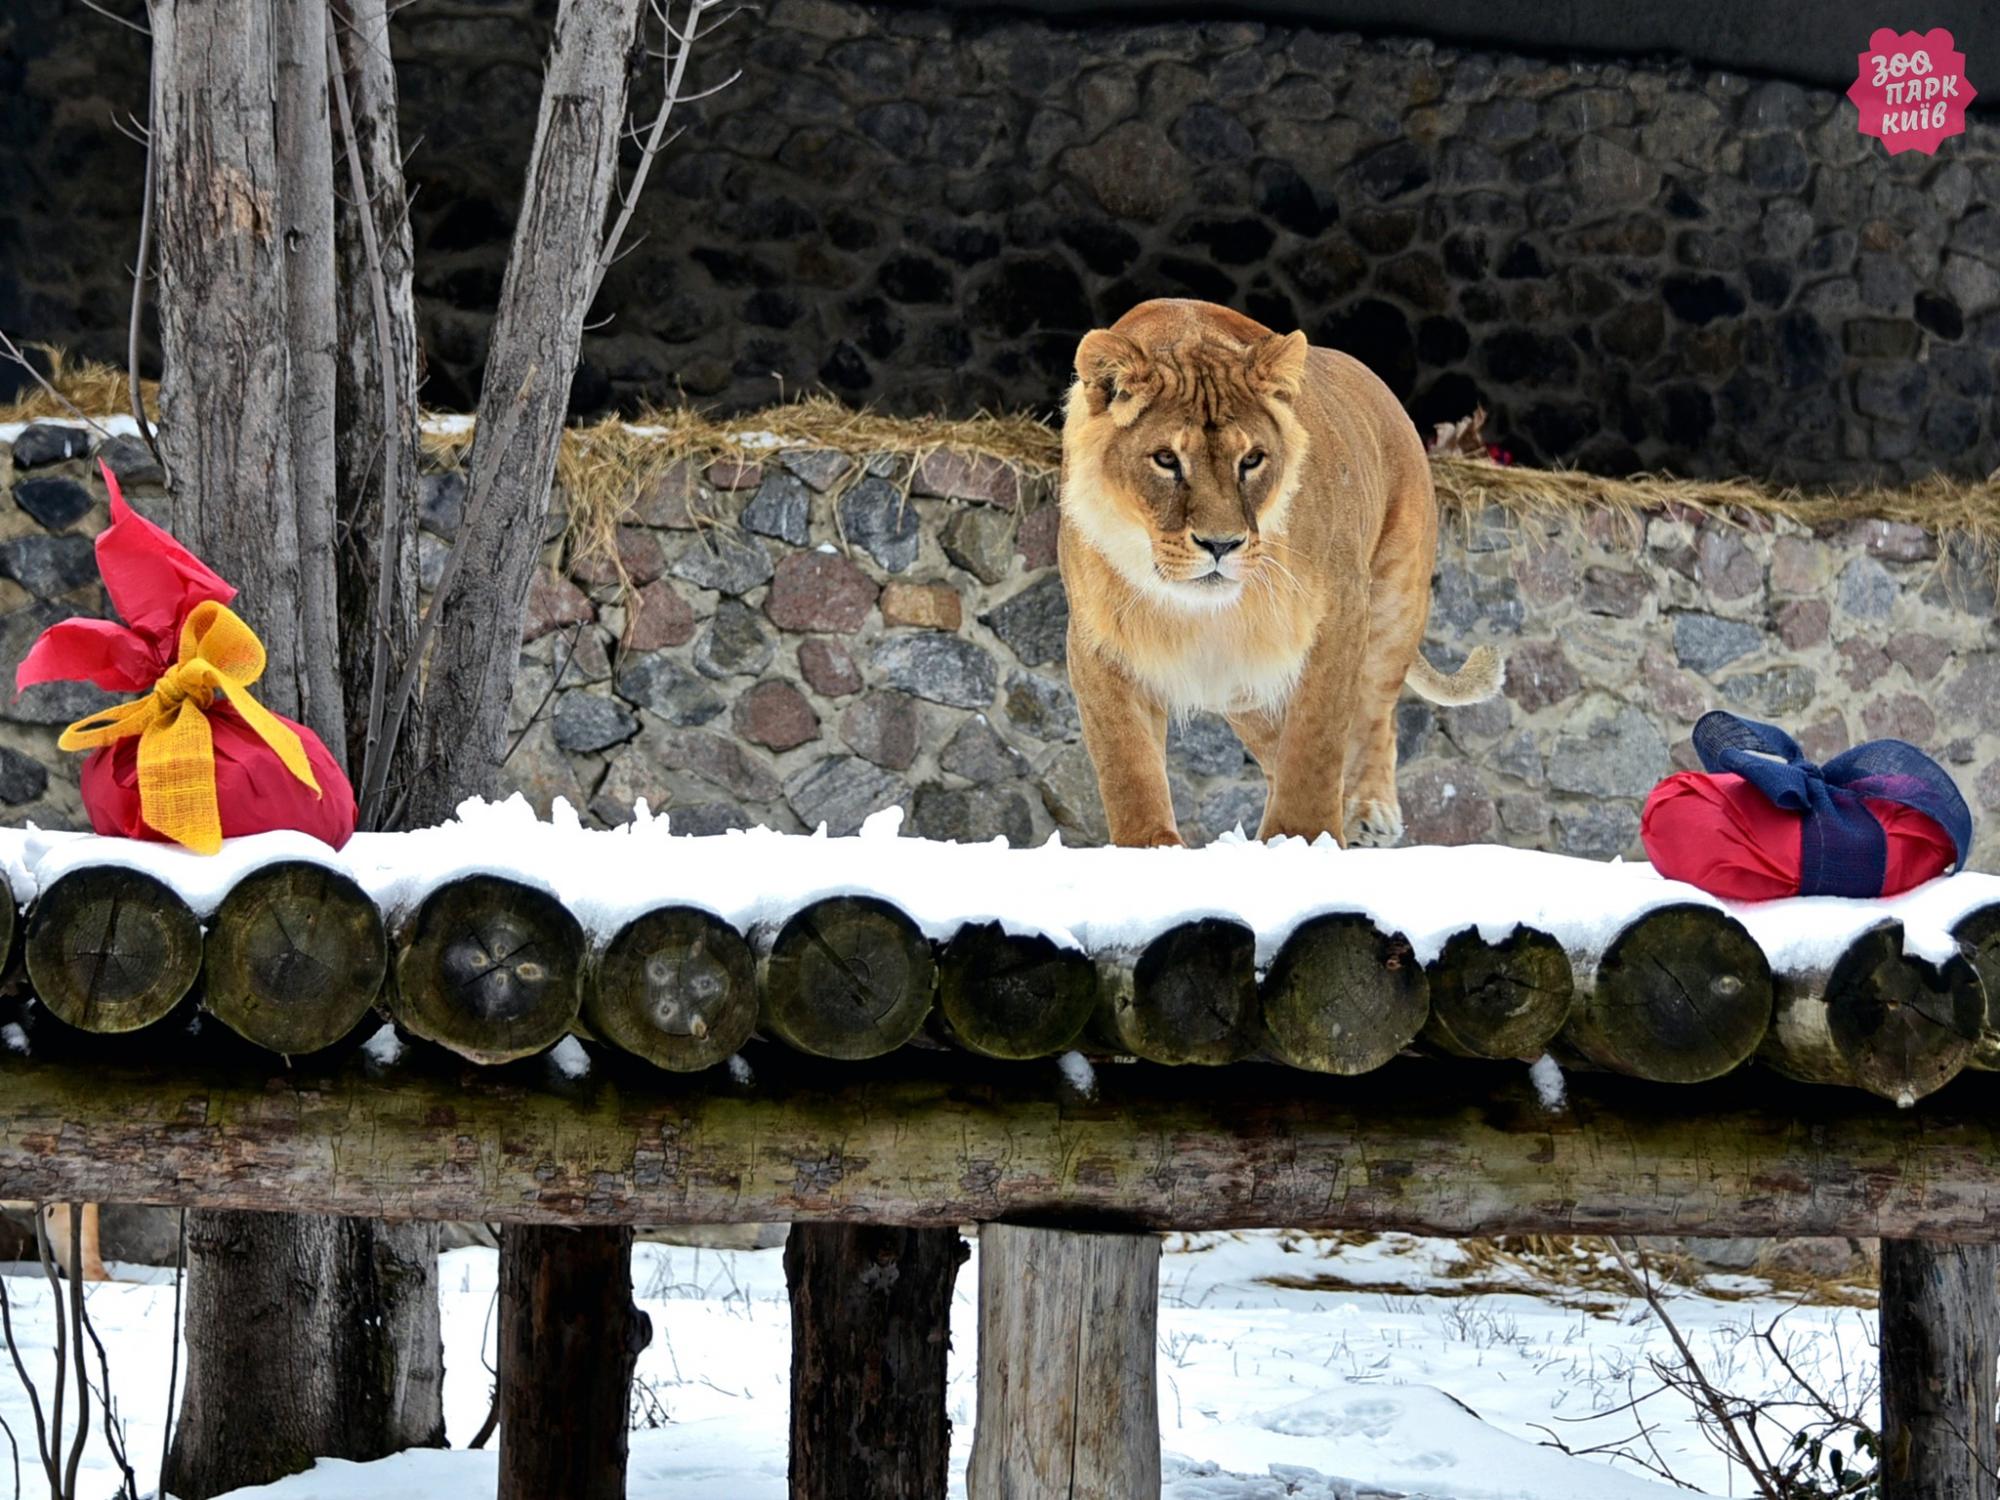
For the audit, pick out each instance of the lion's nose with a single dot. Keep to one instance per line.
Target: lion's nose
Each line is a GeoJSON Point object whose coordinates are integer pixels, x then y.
{"type": "Point", "coordinates": [1219, 547]}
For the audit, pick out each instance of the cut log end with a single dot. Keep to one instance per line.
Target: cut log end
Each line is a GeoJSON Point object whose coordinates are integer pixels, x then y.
{"type": "Point", "coordinates": [676, 986]}
{"type": "Point", "coordinates": [1343, 996]}
{"type": "Point", "coordinates": [1880, 1020]}
{"type": "Point", "coordinates": [1498, 1000]}
{"type": "Point", "coordinates": [850, 977]}
{"type": "Point", "coordinates": [110, 949]}
{"type": "Point", "coordinates": [296, 956]}
{"type": "Point", "coordinates": [491, 969]}
{"type": "Point", "coordinates": [1190, 998]}
{"type": "Point", "coordinates": [1682, 995]}
{"type": "Point", "coordinates": [1013, 997]}
{"type": "Point", "coordinates": [1978, 934]}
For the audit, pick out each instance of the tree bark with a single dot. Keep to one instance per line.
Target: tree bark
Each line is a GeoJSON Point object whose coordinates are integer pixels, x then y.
{"type": "Point", "coordinates": [248, 326]}
{"type": "Point", "coordinates": [537, 332]}
{"type": "Point", "coordinates": [369, 471]}
{"type": "Point", "coordinates": [871, 1330]}
{"type": "Point", "coordinates": [1068, 1405]}
{"type": "Point", "coordinates": [1940, 1338]}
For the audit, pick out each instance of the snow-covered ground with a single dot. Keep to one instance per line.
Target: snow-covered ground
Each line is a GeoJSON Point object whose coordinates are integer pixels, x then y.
{"type": "Point", "coordinates": [1324, 1369]}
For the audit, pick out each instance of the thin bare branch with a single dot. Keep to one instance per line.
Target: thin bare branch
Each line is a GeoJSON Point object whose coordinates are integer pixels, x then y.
{"type": "Point", "coordinates": [375, 752]}
{"type": "Point", "coordinates": [555, 682]}
{"type": "Point", "coordinates": [28, 1385]}
{"type": "Point", "coordinates": [75, 1272]}
{"type": "Point", "coordinates": [174, 1356]}
{"type": "Point", "coordinates": [111, 15]}
{"type": "Point", "coordinates": [133, 390]}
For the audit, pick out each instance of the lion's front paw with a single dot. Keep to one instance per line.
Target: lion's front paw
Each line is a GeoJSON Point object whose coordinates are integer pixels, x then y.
{"type": "Point", "coordinates": [1374, 824]}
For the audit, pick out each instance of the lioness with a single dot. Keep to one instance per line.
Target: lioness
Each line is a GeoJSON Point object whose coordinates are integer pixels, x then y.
{"type": "Point", "coordinates": [1248, 526]}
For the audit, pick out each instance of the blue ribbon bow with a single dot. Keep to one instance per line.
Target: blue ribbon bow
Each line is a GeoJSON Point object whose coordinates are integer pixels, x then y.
{"type": "Point", "coordinates": [1842, 849]}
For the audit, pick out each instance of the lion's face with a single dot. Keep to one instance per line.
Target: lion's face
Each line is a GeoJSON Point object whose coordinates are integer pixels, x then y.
{"type": "Point", "coordinates": [1195, 454]}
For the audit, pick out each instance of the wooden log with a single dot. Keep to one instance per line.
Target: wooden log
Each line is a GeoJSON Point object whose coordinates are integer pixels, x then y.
{"type": "Point", "coordinates": [1068, 1326]}
{"type": "Point", "coordinates": [1013, 997]}
{"type": "Point", "coordinates": [850, 977]}
{"type": "Point", "coordinates": [676, 986]}
{"type": "Point", "coordinates": [1499, 1000]}
{"type": "Point", "coordinates": [1940, 1334]}
{"type": "Point", "coordinates": [1682, 995]}
{"type": "Point", "coordinates": [1978, 933]}
{"type": "Point", "coordinates": [1343, 996]}
{"type": "Point", "coordinates": [490, 968]}
{"type": "Point", "coordinates": [1191, 997]}
{"type": "Point", "coordinates": [295, 957]}
{"type": "Point", "coordinates": [569, 1339]}
{"type": "Point", "coordinates": [1879, 1020]}
{"type": "Point", "coordinates": [111, 949]}
{"type": "Point", "coordinates": [938, 1139]}
{"type": "Point", "coordinates": [871, 1328]}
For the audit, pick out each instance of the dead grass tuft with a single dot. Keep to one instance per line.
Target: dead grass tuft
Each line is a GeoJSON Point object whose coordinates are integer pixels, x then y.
{"type": "Point", "coordinates": [96, 390]}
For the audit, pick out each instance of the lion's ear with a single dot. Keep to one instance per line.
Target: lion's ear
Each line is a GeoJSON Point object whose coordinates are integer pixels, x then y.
{"type": "Point", "coordinates": [1278, 364]}
{"type": "Point", "coordinates": [1114, 371]}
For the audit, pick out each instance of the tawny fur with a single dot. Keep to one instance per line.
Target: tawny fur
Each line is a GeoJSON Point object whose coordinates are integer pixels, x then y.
{"type": "Point", "coordinates": [1190, 421]}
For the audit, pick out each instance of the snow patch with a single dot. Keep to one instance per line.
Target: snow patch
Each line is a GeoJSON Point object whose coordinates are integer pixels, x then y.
{"type": "Point", "coordinates": [1078, 1073]}
{"type": "Point", "coordinates": [1547, 1075]}
{"type": "Point", "coordinates": [569, 1058]}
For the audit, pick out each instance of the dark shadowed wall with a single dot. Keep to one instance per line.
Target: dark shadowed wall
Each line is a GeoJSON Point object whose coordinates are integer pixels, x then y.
{"type": "Point", "coordinates": [1632, 265]}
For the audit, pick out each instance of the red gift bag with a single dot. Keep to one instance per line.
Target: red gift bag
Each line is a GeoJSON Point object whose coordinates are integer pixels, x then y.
{"type": "Point", "coordinates": [197, 759]}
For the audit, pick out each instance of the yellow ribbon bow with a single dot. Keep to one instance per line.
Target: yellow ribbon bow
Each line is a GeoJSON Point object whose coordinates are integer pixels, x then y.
{"type": "Point", "coordinates": [219, 654]}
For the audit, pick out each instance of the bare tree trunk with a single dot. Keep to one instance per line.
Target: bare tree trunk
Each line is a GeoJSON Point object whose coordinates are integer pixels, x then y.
{"type": "Point", "coordinates": [544, 297]}
{"type": "Point", "coordinates": [338, 1318]}
{"type": "Point", "coordinates": [871, 1329]}
{"type": "Point", "coordinates": [224, 278]}
{"type": "Point", "coordinates": [369, 470]}
{"type": "Point", "coordinates": [1940, 1339]}
{"type": "Point", "coordinates": [569, 1340]}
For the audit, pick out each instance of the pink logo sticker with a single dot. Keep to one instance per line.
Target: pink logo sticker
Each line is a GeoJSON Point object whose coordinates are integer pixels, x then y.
{"type": "Point", "coordinates": [1911, 90]}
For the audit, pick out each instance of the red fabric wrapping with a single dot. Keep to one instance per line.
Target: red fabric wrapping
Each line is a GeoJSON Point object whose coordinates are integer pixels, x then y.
{"type": "Point", "coordinates": [1723, 835]}
{"type": "Point", "coordinates": [153, 582]}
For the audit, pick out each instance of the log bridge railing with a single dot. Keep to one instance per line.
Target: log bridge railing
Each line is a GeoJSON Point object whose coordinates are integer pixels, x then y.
{"type": "Point", "coordinates": [875, 1076]}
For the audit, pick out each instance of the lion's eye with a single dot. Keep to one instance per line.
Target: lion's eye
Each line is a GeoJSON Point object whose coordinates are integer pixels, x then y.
{"type": "Point", "coordinates": [1252, 461]}
{"type": "Point", "coordinates": [1168, 460]}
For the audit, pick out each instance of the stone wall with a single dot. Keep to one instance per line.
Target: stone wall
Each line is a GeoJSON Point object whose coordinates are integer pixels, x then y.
{"type": "Point", "coordinates": [1632, 266]}
{"type": "Point", "coordinates": [799, 643]}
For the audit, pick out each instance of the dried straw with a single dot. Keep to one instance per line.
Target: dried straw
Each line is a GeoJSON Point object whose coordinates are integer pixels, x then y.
{"type": "Point", "coordinates": [96, 390]}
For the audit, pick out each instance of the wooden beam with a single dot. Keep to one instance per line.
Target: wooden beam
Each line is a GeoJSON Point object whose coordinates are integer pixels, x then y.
{"type": "Point", "coordinates": [937, 1140]}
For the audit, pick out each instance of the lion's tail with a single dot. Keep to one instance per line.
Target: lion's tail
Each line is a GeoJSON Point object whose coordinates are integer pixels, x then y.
{"type": "Point", "coordinates": [1477, 680]}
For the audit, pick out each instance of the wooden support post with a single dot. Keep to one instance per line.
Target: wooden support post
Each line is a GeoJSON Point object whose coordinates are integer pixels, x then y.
{"type": "Point", "coordinates": [1343, 996]}
{"type": "Point", "coordinates": [1940, 1339]}
{"type": "Point", "coordinates": [1068, 1404]}
{"type": "Point", "coordinates": [871, 1327]}
{"type": "Point", "coordinates": [570, 1337]}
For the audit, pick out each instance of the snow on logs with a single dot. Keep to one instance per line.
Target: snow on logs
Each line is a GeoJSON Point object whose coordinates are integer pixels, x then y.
{"type": "Point", "coordinates": [296, 957]}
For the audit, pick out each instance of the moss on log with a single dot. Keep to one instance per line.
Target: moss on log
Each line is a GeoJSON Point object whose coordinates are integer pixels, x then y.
{"type": "Point", "coordinates": [1879, 1020]}
{"type": "Point", "coordinates": [295, 957]}
{"type": "Point", "coordinates": [850, 977]}
{"type": "Point", "coordinates": [1498, 1000]}
{"type": "Point", "coordinates": [676, 986]}
{"type": "Point", "coordinates": [490, 968]}
{"type": "Point", "coordinates": [110, 949]}
{"type": "Point", "coordinates": [1013, 997]}
{"type": "Point", "coordinates": [1343, 996]}
{"type": "Point", "coordinates": [1682, 995]}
